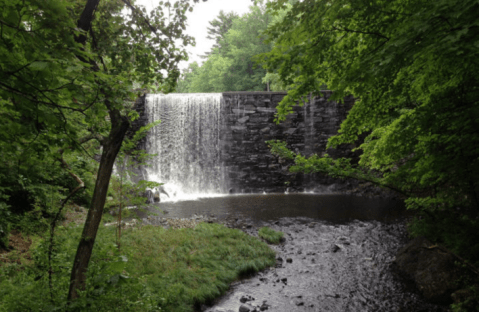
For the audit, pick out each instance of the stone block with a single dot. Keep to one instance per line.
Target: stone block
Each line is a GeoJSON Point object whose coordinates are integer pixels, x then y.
{"type": "Point", "coordinates": [271, 110]}
{"type": "Point", "coordinates": [238, 128]}
{"type": "Point", "coordinates": [290, 131]}
{"type": "Point", "coordinates": [243, 111]}
{"type": "Point", "coordinates": [256, 119]}
{"type": "Point", "coordinates": [243, 119]}
{"type": "Point", "coordinates": [265, 130]}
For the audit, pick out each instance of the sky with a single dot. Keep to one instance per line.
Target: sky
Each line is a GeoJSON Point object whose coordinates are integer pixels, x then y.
{"type": "Point", "coordinates": [203, 12]}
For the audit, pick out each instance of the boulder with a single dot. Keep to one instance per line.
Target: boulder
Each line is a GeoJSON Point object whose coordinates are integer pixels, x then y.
{"type": "Point", "coordinates": [431, 268]}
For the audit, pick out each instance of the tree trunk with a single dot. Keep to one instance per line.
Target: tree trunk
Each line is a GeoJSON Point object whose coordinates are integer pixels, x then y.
{"type": "Point", "coordinates": [111, 147]}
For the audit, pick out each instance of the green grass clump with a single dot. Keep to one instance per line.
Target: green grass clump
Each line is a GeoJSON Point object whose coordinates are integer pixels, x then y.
{"type": "Point", "coordinates": [270, 235]}
{"type": "Point", "coordinates": [191, 266]}
{"type": "Point", "coordinates": [157, 270]}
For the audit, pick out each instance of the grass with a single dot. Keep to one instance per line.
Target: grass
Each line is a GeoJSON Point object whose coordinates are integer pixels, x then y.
{"type": "Point", "coordinates": [193, 266]}
{"type": "Point", "coordinates": [157, 270]}
{"type": "Point", "coordinates": [270, 235]}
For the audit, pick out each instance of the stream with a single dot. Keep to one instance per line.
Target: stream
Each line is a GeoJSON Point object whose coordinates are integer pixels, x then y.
{"type": "Point", "coordinates": [337, 254]}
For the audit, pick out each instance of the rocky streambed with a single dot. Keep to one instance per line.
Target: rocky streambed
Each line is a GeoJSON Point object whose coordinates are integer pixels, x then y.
{"type": "Point", "coordinates": [328, 267]}
{"type": "Point", "coordinates": [324, 264]}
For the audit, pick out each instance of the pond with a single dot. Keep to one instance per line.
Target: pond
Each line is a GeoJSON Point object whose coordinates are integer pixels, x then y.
{"type": "Point", "coordinates": [269, 207]}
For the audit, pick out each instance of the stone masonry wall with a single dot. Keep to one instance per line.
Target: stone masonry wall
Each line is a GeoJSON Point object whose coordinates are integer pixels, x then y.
{"type": "Point", "coordinates": [248, 121]}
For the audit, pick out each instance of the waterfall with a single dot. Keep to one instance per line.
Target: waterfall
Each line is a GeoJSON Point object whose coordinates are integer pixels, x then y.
{"type": "Point", "coordinates": [186, 143]}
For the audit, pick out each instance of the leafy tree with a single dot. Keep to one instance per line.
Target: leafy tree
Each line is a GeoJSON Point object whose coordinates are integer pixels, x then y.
{"type": "Point", "coordinates": [186, 78]}
{"type": "Point", "coordinates": [218, 30]}
{"type": "Point", "coordinates": [245, 40]}
{"type": "Point", "coordinates": [212, 75]}
{"type": "Point", "coordinates": [66, 79]}
{"type": "Point", "coordinates": [412, 67]}
{"type": "Point", "coordinates": [230, 67]}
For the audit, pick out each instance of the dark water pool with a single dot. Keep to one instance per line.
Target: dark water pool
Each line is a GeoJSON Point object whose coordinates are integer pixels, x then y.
{"type": "Point", "coordinates": [270, 207]}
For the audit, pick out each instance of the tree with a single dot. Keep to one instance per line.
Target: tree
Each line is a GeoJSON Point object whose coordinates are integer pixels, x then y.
{"type": "Point", "coordinates": [67, 73]}
{"type": "Point", "coordinates": [412, 67]}
{"type": "Point", "coordinates": [186, 78]}
{"type": "Point", "coordinates": [218, 30]}
{"type": "Point", "coordinates": [245, 40]}
{"type": "Point", "coordinates": [230, 67]}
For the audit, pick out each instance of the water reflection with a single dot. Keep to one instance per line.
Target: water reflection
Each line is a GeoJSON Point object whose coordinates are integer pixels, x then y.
{"type": "Point", "coordinates": [260, 207]}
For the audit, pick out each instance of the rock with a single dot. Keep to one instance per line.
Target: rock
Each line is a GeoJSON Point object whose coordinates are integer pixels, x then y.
{"type": "Point", "coordinates": [246, 298]}
{"type": "Point", "coordinates": [335, 248]}
{"type": "Point", "coordinates": [243, 120]}
{"type": "Point", "coordinates": [245, 308]}
{"type": "Point", "coordinates": [432, 269]}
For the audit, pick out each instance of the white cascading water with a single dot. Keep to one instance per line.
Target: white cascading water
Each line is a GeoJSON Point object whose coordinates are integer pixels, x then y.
{"type": "Point", "coordinates": [186, 143]}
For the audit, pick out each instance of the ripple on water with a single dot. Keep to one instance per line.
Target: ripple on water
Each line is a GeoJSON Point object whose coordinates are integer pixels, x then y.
{"type": "Point", "coordinates": [313, 276]}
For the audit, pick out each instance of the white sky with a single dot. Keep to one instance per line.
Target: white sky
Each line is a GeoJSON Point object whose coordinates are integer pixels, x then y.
{"type": "Point", "coordinates": [203, 12]}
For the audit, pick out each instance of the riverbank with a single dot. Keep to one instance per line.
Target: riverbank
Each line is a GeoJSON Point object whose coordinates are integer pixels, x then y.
{"type": "Point", "coordinates": [150, 269]}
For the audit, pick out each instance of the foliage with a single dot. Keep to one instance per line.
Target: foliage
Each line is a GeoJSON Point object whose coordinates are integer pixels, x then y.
{"type": "Point", "coordinates": [471, 303]}
{"type": "Point", "coordinates": [171, 270]}
{"type": "Point", "coordinates": [67, 71]}
{"type": "Point", "coordinates": [270, 235]}
{"type": "Point", "coordinates": [218, 30]}
{"type": "Point", "coordinates": [4, 225]}
{"type": "Point", "coordinates": [210, 77]}
{"type": "Point", "coordinates": [26, 288]}
{"type": "Point", "coordinates": [453, 230]}
{"type": "Point", "coordinates": [229, 67]}
{"type": "Point", "coordinates": [411, 65]}
{"type": "Point", "coordinates": [415, 103]}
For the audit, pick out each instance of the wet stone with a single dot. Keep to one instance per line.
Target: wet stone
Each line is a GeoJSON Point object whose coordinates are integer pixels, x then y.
{"type": "Point", "coordinates": [264, 306]}
{"type": "Point", "coordinates": [246, 298]}
{"type": "Point", "coordinates": [335, 248]}
{"type": "Point", "coordinates": [299, 303]}
{"type": "Point", "coordinates": [246, 308]}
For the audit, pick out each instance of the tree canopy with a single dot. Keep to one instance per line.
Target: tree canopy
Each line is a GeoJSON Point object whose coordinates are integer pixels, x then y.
{"type": "Point", "coordinates": [218, 30]}
{"type": "Point", "coordinates": [229, 66]}
{"type": "Point", "coordinates": [68, 72]}
{"type": "Point", "coordinates": [411, 65]}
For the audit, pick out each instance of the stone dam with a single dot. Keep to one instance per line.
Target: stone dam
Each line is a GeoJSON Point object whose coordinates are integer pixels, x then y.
{"type": "Point", "coordinates": [215, 143]}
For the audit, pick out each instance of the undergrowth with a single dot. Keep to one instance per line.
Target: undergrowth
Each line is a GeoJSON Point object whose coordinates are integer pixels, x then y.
{"type": "Point", "coordinates": [156, 270]}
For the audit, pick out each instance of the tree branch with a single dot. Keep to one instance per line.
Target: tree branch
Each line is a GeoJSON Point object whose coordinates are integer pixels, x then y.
{"type": "Point", "coordinates": [361, 32]}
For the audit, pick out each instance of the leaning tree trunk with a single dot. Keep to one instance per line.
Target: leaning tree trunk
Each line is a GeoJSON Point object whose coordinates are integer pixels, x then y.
{"type": "Point", "coordinates": [111, 147]}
